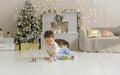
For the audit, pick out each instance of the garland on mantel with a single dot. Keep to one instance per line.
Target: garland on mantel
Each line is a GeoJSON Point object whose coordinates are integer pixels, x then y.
{"type": "Point", "coordinates": [57, 11]}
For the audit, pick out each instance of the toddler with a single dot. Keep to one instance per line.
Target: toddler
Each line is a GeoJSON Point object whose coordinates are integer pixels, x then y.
{"type": "Point", "coordinates": [53, 50]}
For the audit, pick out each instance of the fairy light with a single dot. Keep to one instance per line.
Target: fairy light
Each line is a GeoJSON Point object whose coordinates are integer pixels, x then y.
{"type": "Point", "coordinates": [43, 5]}
{"type": "Point", "coordinates": [83, 1]}
{"type": "Point", "coordinates": [94, 10]}
{"type": "Point", "coordinates": [88, 1]}
{"type": "Point", "coordinates": [95, 1]}
{"type": "Point", "coordinates": [88, 16]}
{"type": "Point", "coordinates": [78, 10]}
{"type": "Point", "coordinates": [95, 20]}
{"type": "Point", "coordinates": [78, 1]}
{"type": "Point", "coordinates": [16, 10]}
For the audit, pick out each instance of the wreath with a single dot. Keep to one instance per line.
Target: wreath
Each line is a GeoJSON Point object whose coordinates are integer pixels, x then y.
{"type": "Point", "coordinates": [59, 18]}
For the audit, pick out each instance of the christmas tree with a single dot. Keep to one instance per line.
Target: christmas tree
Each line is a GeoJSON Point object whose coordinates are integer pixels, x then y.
{"type": "Point", "coordinates": [28, 28]}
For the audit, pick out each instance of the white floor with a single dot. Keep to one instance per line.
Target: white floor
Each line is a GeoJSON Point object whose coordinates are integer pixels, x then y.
{"type": "Point", "coordinates": [15, 63]}
{"type": "Point", "coordinates": [113, 49]}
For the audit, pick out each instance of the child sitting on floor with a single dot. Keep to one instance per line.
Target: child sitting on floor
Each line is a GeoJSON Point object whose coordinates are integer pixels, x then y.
{"type": "Point", "coordinates": [53, 50]}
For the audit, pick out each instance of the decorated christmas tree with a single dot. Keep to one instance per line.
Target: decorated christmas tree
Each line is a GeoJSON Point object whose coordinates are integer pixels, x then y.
{"type": "Point", "coordinates": [28, 28]}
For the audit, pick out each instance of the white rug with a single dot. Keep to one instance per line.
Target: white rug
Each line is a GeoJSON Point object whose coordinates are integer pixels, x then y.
{"type": "Point", "coordinates": [114, 49]}
{"type": "Point", "coordinates": [14, 63]}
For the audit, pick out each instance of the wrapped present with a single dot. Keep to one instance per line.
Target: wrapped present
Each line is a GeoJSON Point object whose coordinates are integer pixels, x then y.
{"type": "Point", "coordinates": [27, 46]}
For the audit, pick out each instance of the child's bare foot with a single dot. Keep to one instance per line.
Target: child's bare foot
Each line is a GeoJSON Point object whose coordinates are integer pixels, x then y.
{"type": "Point", "coordinates": [52, 59]}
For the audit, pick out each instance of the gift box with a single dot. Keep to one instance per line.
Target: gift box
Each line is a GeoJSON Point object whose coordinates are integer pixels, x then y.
{"type": "Point", "coordinates": [27, 46]}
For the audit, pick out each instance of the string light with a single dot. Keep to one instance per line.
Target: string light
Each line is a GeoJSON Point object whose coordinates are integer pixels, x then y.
{"type": "Point", "coordinates": [87, 7]}
{"type": "Point", "coordinates": [95, 20]}
{"type": "Point", "coordinates": [83, 1]}
{"type": "Point", "coordinates": [78, 10]}
{"type": "Point", "coordinates": [88, 1]}
{"type": "Point", "coordinates": [34, 6]}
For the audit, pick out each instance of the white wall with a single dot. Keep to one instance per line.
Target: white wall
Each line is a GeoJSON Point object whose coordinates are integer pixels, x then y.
{"type": "Point", "coordinates": [95, 12]}
{"type": "Point", "coordinates": [7, 11]}
{"type": "Point", "coordinates": [112, 8]}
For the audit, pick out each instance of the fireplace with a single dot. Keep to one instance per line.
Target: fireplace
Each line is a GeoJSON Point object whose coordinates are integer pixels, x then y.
{"type": "Point", "coordinates": [65, 31]}
{"type": "Point", "coordinates": [62, 43]}
{"type": "Point", "coordinates": [59, 27]}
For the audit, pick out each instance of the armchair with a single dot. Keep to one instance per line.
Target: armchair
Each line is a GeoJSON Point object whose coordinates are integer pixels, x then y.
{"type": "Point", "coordinates": [99, 43]}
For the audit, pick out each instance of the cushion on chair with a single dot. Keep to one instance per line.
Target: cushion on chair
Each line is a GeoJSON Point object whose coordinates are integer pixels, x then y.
{"type": "Point", "coordinates": [106, 33]}
{"type": "Point", "coordinates": [93, 33]}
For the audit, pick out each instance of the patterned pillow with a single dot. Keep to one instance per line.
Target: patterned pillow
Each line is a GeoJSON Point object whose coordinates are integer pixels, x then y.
{"type": "Point", "coordinates": [106, 33]}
